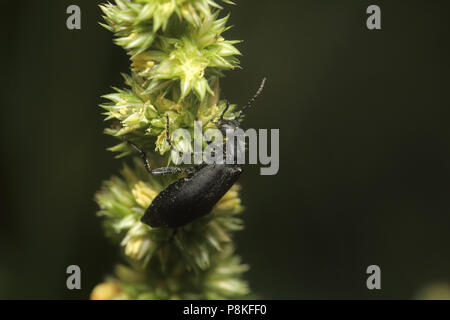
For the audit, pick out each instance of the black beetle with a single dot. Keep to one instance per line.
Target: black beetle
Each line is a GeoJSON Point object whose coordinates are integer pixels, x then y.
{"type": "Point", "coordinates": [195, 195]}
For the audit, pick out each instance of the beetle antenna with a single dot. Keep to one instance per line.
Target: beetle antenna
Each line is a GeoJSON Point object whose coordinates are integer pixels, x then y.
{"type": "Point", "coordinates": [253, 99]}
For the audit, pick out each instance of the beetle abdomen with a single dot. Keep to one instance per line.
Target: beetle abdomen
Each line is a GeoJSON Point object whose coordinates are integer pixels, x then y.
{"type": "Point", "coordinates": [190, 198]}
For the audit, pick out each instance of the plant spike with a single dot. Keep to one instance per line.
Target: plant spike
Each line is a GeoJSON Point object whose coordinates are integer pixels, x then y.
{"type": "Point", "coordinates": [178, 53]}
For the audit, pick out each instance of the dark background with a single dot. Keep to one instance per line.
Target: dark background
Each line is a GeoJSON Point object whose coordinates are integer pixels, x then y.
{"type": "Point", "coordinates": [365, 160]}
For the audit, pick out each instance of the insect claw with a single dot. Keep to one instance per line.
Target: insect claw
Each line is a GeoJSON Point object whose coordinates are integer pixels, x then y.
{"type": "Point", "coordinates": [174, 233]}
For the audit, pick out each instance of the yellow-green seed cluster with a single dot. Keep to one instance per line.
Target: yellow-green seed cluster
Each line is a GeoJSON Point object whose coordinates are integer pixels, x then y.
{"type": "Point", "coordinates": [177, 53]}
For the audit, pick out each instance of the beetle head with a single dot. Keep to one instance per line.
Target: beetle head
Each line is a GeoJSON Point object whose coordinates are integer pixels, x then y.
{"type": "Point", "coordinates": [228, 125]}
{"type": "Point", "coordinates": [232, 124]}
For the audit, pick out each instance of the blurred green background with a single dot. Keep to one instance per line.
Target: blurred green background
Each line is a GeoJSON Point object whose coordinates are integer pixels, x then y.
{"type": "Point", "coordinates": [365, 147]}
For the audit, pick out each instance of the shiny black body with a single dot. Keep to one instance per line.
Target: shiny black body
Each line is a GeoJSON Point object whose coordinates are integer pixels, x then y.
{"type": "Point", "coordinates": [192, 197]}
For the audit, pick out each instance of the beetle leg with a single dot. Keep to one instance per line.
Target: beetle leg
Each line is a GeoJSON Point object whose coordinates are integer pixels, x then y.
{"type": "Point", "coordinates": [156, 172]}
{"type": "Point", "coordinates": [173, 235]}
{"type": "Point", "coordinates": [170, 170]}
{"type": "Point", "coordinates": [173, 148]}
{"type": "Point", "coordinates": [141, 152]}
{"type": "Point", "coordinates": [169, 141]}
{"type": "Point", "coordinates": [223, 112]}
{"type": "Point", "coordinates": [160, 171]}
